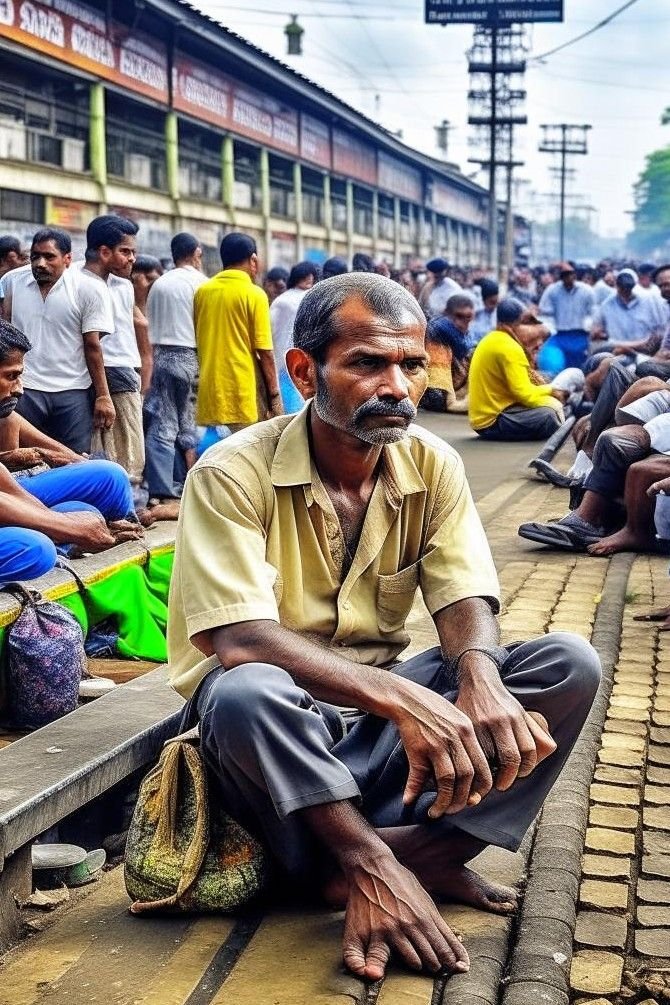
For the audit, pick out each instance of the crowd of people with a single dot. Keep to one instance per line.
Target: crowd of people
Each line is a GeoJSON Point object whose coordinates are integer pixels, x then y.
{"type": "Point", "coordinates": [119, 360]}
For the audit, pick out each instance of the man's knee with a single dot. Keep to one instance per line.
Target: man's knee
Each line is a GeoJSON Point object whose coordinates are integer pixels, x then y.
{"type": "Point", "coordinates": [243, 701]}
{"type": "Point", "coordinates": [577, 664]}
{"type": "Point", "coordinates": [113, 484]}
{"type": "Point", "coordinates": [25, 554]}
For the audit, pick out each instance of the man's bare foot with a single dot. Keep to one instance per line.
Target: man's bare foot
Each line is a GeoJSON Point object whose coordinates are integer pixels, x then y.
{"type": "Point", "coordinates": [464, 886]}
{"type": "Point", "coordinates": [623, 540]}
{"type": "Point", "coordinates": [161, 511]}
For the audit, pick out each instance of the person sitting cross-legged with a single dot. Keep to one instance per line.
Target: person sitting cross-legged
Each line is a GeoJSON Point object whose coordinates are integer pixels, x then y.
{"type": "Point", "coordinates": [77, 505]}
{"type": "Point", "coordinates": [301, 544]}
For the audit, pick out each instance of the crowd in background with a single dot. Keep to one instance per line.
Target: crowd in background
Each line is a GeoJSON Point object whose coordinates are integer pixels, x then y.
{"type": "Point", "coordinates": [138, 362]}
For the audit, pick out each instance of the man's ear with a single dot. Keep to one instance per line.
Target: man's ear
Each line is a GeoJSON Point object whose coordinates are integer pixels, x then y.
{"type": "Point", "coordinates": [302, 371]}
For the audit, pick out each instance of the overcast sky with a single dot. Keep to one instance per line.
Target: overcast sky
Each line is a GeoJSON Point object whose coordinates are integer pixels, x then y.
{"type": "Point", "coordinates": [381, 58]}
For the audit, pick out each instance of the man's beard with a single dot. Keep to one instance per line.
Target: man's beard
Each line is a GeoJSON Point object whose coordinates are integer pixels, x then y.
{"type": "Point", "coordinates": [354, 424]}
{"type": "Point", "coordinates": [7, 406]}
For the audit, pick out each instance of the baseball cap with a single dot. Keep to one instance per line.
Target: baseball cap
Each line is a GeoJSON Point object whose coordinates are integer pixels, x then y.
{"type": "Point", "coordinates": [437, 265]}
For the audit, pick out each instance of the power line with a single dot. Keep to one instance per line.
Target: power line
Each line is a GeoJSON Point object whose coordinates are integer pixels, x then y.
{"type": "Point", "coordinates": [585, 34]}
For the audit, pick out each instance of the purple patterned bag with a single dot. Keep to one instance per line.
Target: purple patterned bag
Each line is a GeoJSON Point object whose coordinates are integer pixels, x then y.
{"type": "Point", "coordinates": [45, 648]}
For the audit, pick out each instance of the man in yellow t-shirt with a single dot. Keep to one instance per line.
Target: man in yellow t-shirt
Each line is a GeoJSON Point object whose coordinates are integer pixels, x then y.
{"type": "Point", "coordinates": [234, 342]}
{"type": "Point", "coordinates": [504, 402]}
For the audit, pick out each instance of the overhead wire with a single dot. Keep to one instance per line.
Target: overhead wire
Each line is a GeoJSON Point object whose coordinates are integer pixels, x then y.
{"type": "Point", "coordinates": [585, 34]}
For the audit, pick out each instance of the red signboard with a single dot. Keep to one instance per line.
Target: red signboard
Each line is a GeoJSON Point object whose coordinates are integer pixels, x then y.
{"type": "Point", "coordinates": [315, 141]}
{"type": "Point", "coordinates": [216, 98]}
{"type": "Point", "coordinates": [80, 36]}
{"type": "Point", "coordinates": [399, 178]}
{"type": "Point", "coordinates": [353, 158]}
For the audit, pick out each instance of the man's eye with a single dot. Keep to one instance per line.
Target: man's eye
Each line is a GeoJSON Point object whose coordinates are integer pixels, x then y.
{"type": "Point", "coordinates": [414, 365]}
{"type": "Point", "coordinates": [368, 362]}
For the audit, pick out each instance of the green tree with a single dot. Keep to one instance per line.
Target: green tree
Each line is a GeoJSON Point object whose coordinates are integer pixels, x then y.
{"type": "Point", "coordinates": [651, 233]}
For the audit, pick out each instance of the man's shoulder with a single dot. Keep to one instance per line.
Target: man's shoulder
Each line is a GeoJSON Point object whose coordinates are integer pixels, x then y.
{"type": "Point", "coordinates": [431, 453]}
{"type": "Point", "coordinates": [249, 450]}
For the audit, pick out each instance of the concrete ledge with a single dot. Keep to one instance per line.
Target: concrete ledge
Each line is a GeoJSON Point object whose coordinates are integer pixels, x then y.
{"type": "Point", "coordinates": [63, 766]}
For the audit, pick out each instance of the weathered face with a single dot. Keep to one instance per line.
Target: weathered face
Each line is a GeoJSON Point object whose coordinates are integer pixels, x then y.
{"type": "Point", "coordinates": [120, 259]}
{"type": "Point", "coordinates": [48, 262]}
{"type": "Point", "coordinates": [663, 283]}
{"type": "Point", "coordinates": [11, 387]}
{"type": "Point", "coordinates": [373, 377]}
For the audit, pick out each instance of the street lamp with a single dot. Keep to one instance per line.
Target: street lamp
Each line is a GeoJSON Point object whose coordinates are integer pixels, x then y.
{"type": "Point", "coordinates": [294, 33]}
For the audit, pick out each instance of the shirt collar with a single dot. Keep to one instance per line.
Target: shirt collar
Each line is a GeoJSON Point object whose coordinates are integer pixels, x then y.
{"type": "Point", "coordinates": [292, 463]}
{"type": "Point", "coordinates": [234, 274]}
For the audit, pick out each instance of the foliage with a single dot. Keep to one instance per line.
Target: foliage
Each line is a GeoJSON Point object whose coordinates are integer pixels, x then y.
{"type": "Point", "coordinates": [651, 234]}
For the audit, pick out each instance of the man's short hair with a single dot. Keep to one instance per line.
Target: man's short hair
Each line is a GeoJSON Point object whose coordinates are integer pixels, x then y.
{"type": "Point", "coordinates": [107, 231]}
{"type": "Point", "coordinates": [362, 263]}
{"type": "Point", "coordinates": [659, 270]}
{"type": "Point", "coordinates": [236, 248]}
{"type": "Point", "coordinates": [489, 288]}
{"type": "Point", "coordinates": [147, 263]}
{"type": "Point", "coordinates": [457, 302]}
{"type": "Point", "coordinates": [334, 266]}
{"type": "Point", "coordinates": [59, 238]}
{"type": "Point", "coordinates": [11, 340]}
{"type": "Point", "coordinates": [277, 274]}
{"type": "Point", "coordinates": [9, 243]}
{"type": "Point", "coordinates": [301, 271]}
{"type": "Point", "coordinates": [315, 323]}
{"type": "Point", "coordinates": [183, 246]}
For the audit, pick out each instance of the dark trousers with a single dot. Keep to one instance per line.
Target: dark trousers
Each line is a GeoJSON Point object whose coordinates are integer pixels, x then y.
{"type": "Point", "coordinates": [67, 416]}
{"type": "Point", "coordinates": [518, 423]}
{"type": "Point", "coordinates": [274, 750]}
{"type": "Point", "coordinates": [615, 450]}
{"type": "Point", "coordinates": [653, 368]}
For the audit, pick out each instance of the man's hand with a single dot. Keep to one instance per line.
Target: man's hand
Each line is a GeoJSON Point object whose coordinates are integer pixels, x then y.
{"type": "Point", "coordinates": [561, 395]}
{"type": "Point", "coordinates": [104, 412]}
{"type": "Point", "coordinates": [440, 743]}
{"type": "Point", "coordinates": [659, 488]}
{"type": "Point", "coordinates": [22, 457]}
{"type": "Point", "coordinates": [87, 530]}
{"type": "Point", "coordinates": [388, 910]}
{"type": "Point", "coordinates": [126, 530]}
{"type": "Point", "coordinates": [59, 457]}
{"type": "Point", "coordinates": [511, 738]}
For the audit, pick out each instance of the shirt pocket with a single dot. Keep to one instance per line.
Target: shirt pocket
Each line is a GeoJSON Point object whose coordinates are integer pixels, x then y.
{"type": "Point", "coordinates": [395, 596]}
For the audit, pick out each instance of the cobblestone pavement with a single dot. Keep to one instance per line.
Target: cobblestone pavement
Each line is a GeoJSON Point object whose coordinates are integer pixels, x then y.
{"type": "Point", "coordinates": [96, 952]}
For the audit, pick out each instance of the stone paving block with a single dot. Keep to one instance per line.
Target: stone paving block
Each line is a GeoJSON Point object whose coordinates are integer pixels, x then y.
{"type": "Point", "coordinates": [611, 775]}
{"type": "Point", "coordinates": [653, 942]}
{"type": "Point", "coordinates": [659, 795]}
{"type": "Point", "coordinates": [656, 842]}
{"type": "Point", "coordinates": [656, 817]}
{"type": "Point", "coordinates": [609, 866]}
{"type": "Point", "coordinates": [613, 816]}
{"type": "Point", "coordinates": [596, 972]}
{"type": "Point", "coordinates": [625, 727]}
{"type": "Point", "coordinates": [530, 993]}
{"type": "Point", "coordinates": [662, 704]}
{"type": "Point", "coordinates": [614, 795]}
{"type": "Point", "coordinates": [656, 865]}
{"type": "Point", "coordinates": [659, 734]}
{"type": "Point", "coordinates": [653, 917]}
{"type": "Point", "coordinates": [629, 714]}
{"type": "Point", "coordinates": [658, 776]}
{"type": "Point", "coordinates": [615, 842]}
{"type": "Point", "coordinates": [623, 741]}
{"type": "Point", "coordinates": [618, 757]}
{"type": "Point", "coordinates": [604, 931]}
{"type": "Point", "coordinates": [653, 891]}
{"type": "Point", "coordinates": [629, 688]}
{"type": "Point", "coordinates": [629, 701]}
{"type": "Point", "coordinates": [660, 718]}
{"type": "Point", "coordinates": [600, 893]}
{"type": "Point", "coordinates": [659, 754]}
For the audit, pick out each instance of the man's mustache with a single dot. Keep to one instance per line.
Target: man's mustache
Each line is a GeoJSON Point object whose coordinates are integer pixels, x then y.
{"type": "Point", "coordinates": [395, 409]}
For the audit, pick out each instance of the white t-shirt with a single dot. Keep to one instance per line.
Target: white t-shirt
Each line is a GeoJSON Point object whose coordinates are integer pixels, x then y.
{"type": "Point", "coordinates": [282, 317]}
{"type": "Point", "coordinates": [55, 325]}
{"type": "Point", "coordinates": [170, 307]}
{"type": "Point", "coordinates": [119, 348]}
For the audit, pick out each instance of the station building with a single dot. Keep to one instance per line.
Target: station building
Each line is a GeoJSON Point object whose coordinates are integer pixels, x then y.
{"type": "Point", "coordinates": [151, 109]}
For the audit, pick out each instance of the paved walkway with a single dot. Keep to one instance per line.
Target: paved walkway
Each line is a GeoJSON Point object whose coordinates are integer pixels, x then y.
{"type": "Point", "coordinates": [96, 952]}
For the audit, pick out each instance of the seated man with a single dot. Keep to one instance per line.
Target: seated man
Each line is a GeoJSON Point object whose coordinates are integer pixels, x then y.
{"type": "Point", "coordinates": [301, 544]}
{"type": "Point", "coordinates": [449, 345]}
{"type": "Point", "coordinates": [505, 400]}
{"type": "Point", "coordinates": [68, 506]}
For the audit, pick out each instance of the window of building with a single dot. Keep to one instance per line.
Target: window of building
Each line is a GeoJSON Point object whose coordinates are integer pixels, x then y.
{"type": "Point", "coordinates": [362, 211]}
{"type": "Point", "coordinates": [405, 223]}
{"type": "Point", "coordinates": [200, 168]}
{"type": "Point", "coordinates": [312, 197]}
{"type": "Point", "coordinates": [386, 218]}
{"type": "Point", "coordinates": [43, 116]}
{"type": "Point", "coordinates": [338, 199]}
{"type": "Point", "coordinates": [136, 142]}
{"type": "Point", "coordinates": [427, 227]}
{"type": "Point", "coordinates": [282, 194]}
{"type": "Point", "coordinates": [442, 236]}
{"type": "Point", "coordinates": [21, 206]}
{"type": "Point", "coordinates": [247, 193]}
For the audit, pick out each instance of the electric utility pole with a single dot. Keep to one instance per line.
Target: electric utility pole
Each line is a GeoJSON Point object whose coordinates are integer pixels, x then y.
{"type": "Point", "coordinates": [567, 141]}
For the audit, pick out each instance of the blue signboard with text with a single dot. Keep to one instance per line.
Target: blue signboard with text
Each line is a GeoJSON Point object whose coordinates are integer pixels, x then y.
{"type": "Point", "coordinates": [485, 12]}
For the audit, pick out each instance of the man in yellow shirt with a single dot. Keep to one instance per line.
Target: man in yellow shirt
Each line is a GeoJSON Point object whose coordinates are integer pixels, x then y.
{"type": "Point", "coordinates": [301, 545]}
{"type": "Point", "coordinates": [238, 378]}
{"type": "Point", "coordinates": [504, 401]}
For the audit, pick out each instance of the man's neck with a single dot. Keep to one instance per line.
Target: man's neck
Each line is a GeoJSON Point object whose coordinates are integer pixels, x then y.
{"type": "Point", "coordinates": [186, 263]}
{"type": "Point", "coordinates": [342, 460]}
{"type": "Point", "coordinates": [98, 269]}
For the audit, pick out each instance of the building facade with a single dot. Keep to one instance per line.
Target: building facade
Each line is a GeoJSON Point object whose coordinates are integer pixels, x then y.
{"type": "Point", "coordinates": [150, 109]}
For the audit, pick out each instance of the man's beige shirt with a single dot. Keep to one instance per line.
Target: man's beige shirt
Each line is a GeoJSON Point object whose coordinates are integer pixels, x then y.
{"type": "Point", "coordinates": [259, 540]}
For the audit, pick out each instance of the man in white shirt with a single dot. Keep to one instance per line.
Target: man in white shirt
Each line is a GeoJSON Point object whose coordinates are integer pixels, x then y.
{"type": "Point", "coordinates": [110, 254]}
{"type": "Point", "coordinates": [63, 314]}
{"type": "Point", "coordinates": [282, 317]}
{"type": "Point", "coordinates": [433, 297]}
{"type": "Point", "coordinates": [171, 436]}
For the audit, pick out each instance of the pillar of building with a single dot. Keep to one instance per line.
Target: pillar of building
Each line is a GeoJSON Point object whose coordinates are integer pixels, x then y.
{"type": "Point", "coordinates": [419, 230]}
{"type": "Point", "coordinates": [172, 155]}
{"type": "Point", "coordinates": [375, 222]}
{"type": "Point", "coordinates": [97, 140]}
{"type": "Point", "coordinates": [228, 175]}
{"type": "Point", "coordinates": [265, 204]}
{"type": "Point", "coordinates": [350, 219]}
{"type": "Point", "coordinates": [396, 232]}
{"type": "Point", "coordinates": [328, 215]}
{"type": "Point", "coordinates": [434, 241]}
{"type": "Point", "coordinates": [297, 193]}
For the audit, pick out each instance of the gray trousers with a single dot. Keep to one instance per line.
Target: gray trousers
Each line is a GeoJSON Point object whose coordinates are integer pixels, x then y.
{"type": "Point", "coordinates": [275, 750]}
{"type": "Point", "coordinates": [518, 423]}
{"type": "Point", "coordinates": [66, 416]}
{"type": "Point", "coordinates": [615, 450]}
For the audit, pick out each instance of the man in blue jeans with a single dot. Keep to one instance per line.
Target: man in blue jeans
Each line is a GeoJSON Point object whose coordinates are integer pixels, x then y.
{"type": "Point", "coordinates": [73, 502]}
